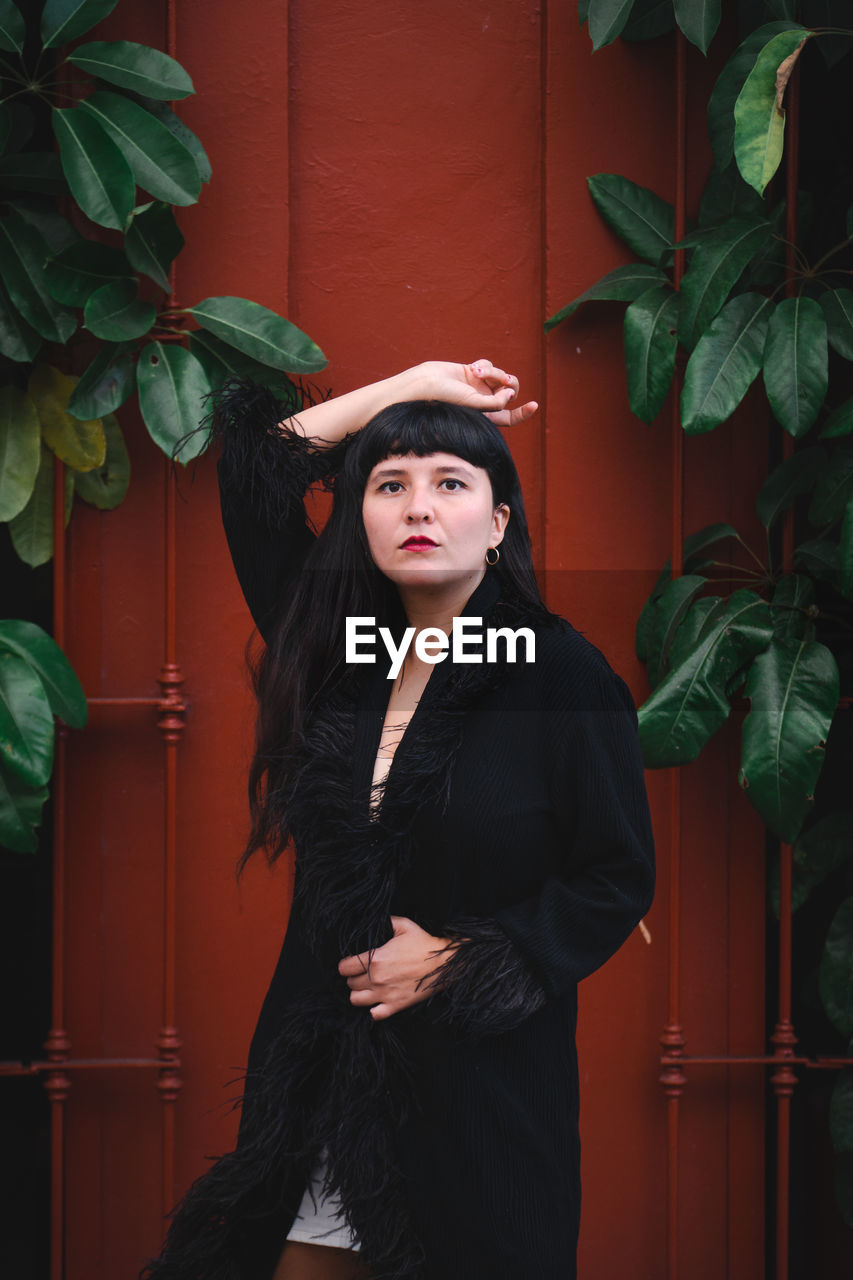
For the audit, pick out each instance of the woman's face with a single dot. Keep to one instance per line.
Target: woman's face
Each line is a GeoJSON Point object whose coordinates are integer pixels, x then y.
{"type": "Point", "coordinates": [430, 520]}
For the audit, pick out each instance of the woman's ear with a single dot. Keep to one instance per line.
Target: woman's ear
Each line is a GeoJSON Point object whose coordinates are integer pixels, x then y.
{"type": "Point", "coordinates": [500, 518]}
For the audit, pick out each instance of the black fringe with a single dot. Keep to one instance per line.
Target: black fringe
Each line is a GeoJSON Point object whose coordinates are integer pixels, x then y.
{"type": "Point", "coordinates": [272, 464]}
{"type": "Point", "coordinates": [324, 1055]}
{"type": "Point", "coordinates": [485, 987]}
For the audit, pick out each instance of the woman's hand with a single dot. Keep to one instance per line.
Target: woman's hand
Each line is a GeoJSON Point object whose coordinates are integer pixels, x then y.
{"type": "Point", "coordinates": [386, 979]}
{"type": "Point", "coordinates": [479, 385]}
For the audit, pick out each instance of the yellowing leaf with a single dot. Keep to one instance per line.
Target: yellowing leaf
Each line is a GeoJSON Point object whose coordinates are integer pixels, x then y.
{"type": "Point", "coordinates": [759, 117]}
{"type": "Point", "coordinates": [82, 445]}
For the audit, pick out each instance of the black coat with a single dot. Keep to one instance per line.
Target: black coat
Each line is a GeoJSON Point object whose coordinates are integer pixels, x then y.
{"type": "Point", "coordinates": [514, 815]}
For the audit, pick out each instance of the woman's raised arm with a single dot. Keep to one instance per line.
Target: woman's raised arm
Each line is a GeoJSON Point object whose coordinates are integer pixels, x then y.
{"type": "Point", "coordinates": [479, 385]}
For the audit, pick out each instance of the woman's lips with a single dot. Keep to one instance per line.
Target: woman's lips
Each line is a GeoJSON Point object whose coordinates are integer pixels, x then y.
{"type": "Point", "coordinates": [418, 544]}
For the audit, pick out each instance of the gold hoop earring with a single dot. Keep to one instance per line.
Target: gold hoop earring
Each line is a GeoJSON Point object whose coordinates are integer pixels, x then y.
{"type": "Point", "coordinates": [489, 562]}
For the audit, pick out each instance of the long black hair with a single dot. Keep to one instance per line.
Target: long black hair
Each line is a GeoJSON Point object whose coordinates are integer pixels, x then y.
{"type": "Point", "coordinates": [305, 656]}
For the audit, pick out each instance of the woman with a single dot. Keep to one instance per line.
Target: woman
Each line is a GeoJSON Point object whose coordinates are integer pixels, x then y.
{"type": "Point", "coordinates": [472, 838]}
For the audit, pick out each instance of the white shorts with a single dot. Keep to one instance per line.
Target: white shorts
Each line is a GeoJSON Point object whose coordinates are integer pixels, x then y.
{"type": "Point", "coordinates": [319, 1220]}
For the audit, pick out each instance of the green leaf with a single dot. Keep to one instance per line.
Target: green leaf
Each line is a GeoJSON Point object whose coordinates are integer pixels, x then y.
{"type": "Point", "coordinates": [649, 19]}
{"type": "Point", "coordinates": [153, 241]}
{"type": "Point", "coordinates": [116, 312]}
{"type": "Point", "coordinates": [836, 970]}
{"type": "Point", "coordinates": [819, 557]}
{"type": "Point", "coordinates": [672, 605]}
{"type": "Point", "coordinates": [31, 530]}
{"type": "Point", "coordinates": [622, 285]}
{"type": "Point", "coordinates": [20, 813]}
{"type": "Point", "coordinates": [64, 20]}
{"type": "Point", "coordinates": [690, 704]}
{"type": "Point", "coordinates": [715, 268]}
{"type": "Point", "coordinates": [726, 91]}
{"type": "Point", "coordinates": [796, 368]}
{"type": "Point", "coordinates": [786, 482]}
{"type": "Point", "coordinates": [707, 536]}
{"type": "Point", "coordinates": [838, 308]}
{"type": "Point", "coordinates": [694, 545]}
{"type": "Point", "coordinates": [819, 850]}
{"type": "Point", "coordinates": [696, 623]}
{"type": "Point", "coordinates": [134, 66]}
{"type": "Point", "coordinates": [26, 722]}
{"type": "Point", "coordinates": [18, 340]}
{"type": "Point", "coordinates": [724, 363]}
{"type": "Point", "coordinates": [37, 171]}
{"type": "Point", "coordinates": [79, 444]}
{"type": "Point", "coordinates": [606, 20]}
{"type": "Point", "coordinates": [827, 843]}
{"type": "Point", "coordinates": [845, 550]}
{"type": "Point", "coordinates": [23, 254]}
{"type": "Point", "coordinates": [839, 422]}
{"type": "Point", "coordinates": [793, 694]}
{"type": "Point", "coordinates": [106, 384]}
{"type": "Point", "coordinates": [13, 31]}
{"type": "Point", "coordinates": [726, 196]}
{"type": "Point", "coordinates": [63, 689]}
{"type": "Point", "coordinates": [650, 343]}
{"type": "Point", "coordinates": [841, 1111]}
{"type": "Point", "coordinates": [259, 333]}
{"type": "Point", "coordinates": [20, 450]}
{"type": "Point", "coordinates": [172, 386]}
{"type": "Point", "coordinates": [57, 232]}
{"type": "Point", "coordinates": [834, 486]}
{"type": "Point", "coordinates": [638, 216]}
{"type": "Point", "coordinates": [97, 172]}
{"type": "Point", "coordinates": [164, 113]}
{"type": "Point", "coordinates": [792, 600]}
{"type": "Point", "coordinates": [106, 486]}
{"type": "Point", "coordinates": [759, 117]}
{"type": "Point", "coordinates": [221, 362]}
{"type": "Point", "coordinates": [698, 19]}
{"type": "Point", "coordinates": [159, 162]}
{"type": "Point", "coordinates": [73, 275]}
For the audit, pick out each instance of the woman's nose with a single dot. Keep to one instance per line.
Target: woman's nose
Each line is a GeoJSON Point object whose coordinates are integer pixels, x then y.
{"type": "Point", "coordinates": [420, 507]}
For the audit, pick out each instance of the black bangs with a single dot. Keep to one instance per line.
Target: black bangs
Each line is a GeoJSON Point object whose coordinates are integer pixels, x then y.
{"type": "Point", "coordinates": [422, 427]}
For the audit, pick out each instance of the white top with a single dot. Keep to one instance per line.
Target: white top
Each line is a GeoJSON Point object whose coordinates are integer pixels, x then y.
{"type": "Point", "coordinates": [319, 1219]}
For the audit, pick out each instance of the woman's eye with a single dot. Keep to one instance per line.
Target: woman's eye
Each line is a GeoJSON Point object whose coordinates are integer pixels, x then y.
{"type": "Point", "coordinates": [458, 484]}
{"type": "Point", "coordinates": [386, 486]}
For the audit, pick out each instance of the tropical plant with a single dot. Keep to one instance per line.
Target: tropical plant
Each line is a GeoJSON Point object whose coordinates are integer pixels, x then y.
{"type": "Point", "coordinates": [88, 236]}
{"type": "Point", "coordinates": [743, 299]}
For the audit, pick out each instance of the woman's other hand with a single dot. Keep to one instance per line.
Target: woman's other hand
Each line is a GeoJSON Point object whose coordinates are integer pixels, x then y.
{"type": "Point", "coordinates": [386, 980]}
{"type": "Point", "coordinates": [479, 385]}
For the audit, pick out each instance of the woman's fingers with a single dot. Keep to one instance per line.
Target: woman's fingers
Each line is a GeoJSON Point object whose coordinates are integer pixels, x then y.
{"type": "Point", "coordinates": [507, 417]}
{"type": "Point", "coordinates": [365, 997]}
{"type": "Point", "coordinates": [496, 379]}
{"type": "Point", "coordinates": [354, 966]}
{"type": "Point", "coordinates": [361, 983]}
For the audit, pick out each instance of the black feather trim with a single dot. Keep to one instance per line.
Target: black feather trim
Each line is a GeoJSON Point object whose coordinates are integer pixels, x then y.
{"type": "Point", "coordinates": [485, 986]}
{"type": "Point", "coordinates": [350, 1077]}
{"type": "Point", "coordinates": [273, 464]}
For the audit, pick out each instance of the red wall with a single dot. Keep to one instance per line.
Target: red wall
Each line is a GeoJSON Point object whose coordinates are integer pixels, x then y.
{"type": "Point", "coordinates": [405, 182]}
